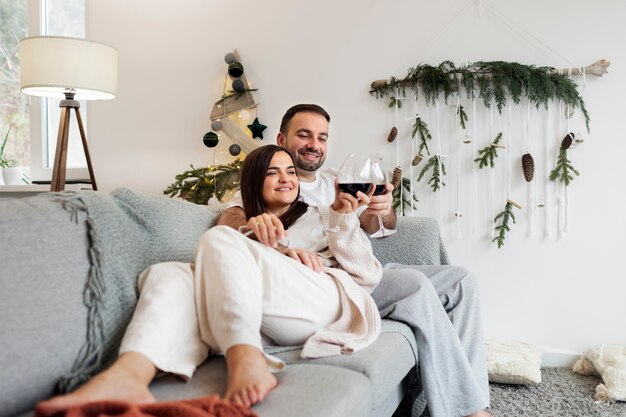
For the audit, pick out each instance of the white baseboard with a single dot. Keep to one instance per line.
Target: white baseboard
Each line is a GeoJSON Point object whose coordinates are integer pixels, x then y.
{"type": "Point", "coordinates": [561, 359]}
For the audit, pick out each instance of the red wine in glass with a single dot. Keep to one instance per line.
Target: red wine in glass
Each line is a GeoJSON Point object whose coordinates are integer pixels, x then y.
{"type": "Point", "coordinates": [353, 187]}
{"type": "Point", "coordinates": [380, 189]}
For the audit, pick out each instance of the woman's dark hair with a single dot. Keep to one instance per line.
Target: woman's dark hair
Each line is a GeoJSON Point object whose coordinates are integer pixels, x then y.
{"type": "Point", "coordinates": [253, 172]}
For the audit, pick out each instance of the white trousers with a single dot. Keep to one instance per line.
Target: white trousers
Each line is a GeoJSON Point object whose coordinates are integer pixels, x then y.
{"type": "Point", "coordinates": [237, 289]}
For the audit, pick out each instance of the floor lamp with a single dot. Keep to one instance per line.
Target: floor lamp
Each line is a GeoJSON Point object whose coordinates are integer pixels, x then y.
{"type": "Point", "coordinates": [69, 69]}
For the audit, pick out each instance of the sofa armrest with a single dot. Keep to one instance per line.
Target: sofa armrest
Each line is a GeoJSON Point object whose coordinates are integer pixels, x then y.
{"type": "Point", "coordinates": [417, 242]}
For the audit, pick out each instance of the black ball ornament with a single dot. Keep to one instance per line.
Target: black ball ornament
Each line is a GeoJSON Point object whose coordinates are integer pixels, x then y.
{"type": "Point", "coordinates": [235, 69]}
{"type": "Point", "coordinates": [210, 139]}
{"type": "Point", "coordinates": [234, 149]}
{"type": "Point", "coordinates": [230, 58]}
{"type": "Point", "coordinates": [239, 86]}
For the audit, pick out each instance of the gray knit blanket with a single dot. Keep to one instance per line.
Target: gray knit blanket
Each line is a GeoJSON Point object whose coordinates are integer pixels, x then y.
{"type": "Point", "coordinates": [129, 231]}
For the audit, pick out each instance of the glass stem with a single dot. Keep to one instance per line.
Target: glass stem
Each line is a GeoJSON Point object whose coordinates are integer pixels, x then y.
{"type": "Point", "coordinates": [380, 222]}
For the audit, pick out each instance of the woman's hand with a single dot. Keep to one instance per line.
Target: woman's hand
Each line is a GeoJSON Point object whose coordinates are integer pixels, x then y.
{"type": "Point", "coordinates": [304, 256]}
{"type": "Point", "coordinates": [267, 228]}
{"type": "Point", "coordinates": [346, 203]}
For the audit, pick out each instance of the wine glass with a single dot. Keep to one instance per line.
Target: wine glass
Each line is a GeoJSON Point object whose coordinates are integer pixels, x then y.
{"type": "Point", "coordinates": [360, 173]}
{"type": "Point", "coordinates": [380, 177]}
{"type": "Point", "coordinates": [355, 175]}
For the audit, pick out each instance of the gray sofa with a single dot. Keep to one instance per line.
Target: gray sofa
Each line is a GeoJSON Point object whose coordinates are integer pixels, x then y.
{"type": "Point", "coordinates": [68, 269]}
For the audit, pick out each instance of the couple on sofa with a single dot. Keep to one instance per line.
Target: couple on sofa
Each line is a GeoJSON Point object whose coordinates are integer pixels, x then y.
{"type": "Point", "coordinates": [322, 289]}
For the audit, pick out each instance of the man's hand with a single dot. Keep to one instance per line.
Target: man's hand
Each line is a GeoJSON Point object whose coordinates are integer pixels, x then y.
{"type": "Point", "coordinates": [304, 256]}
{"type": "Point", "coordinates": [233, 217]}
{"type": "Point", "coordinates": [379, 204]}
{"type": "Point", "coordinates": [267, 228]}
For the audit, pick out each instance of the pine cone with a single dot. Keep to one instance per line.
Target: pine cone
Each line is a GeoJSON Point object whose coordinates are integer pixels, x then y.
{"type": "Point", "coordinates": [418, 158]}
{"type": "Point", "coordinates": [396, 178]}
{"type": "Point", "coordinates": [567, 141]}
{"type": "Point", "coordinates": [392, 134]}
{"type": "Point", "coordinates": [528, 167]}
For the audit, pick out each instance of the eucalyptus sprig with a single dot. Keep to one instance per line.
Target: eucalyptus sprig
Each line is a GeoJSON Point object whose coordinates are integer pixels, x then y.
{"type": "Point", "coordinates": [435, 181]}
{"type": "Point", "coordinates": [406, 184]}
{"type": "Point", "coordinates": [462, 116]}
{"type": "Point", "coordinates": [198, 185]}
{"type": "Point", "coordinates": [489, 153]}
{"type": "Point", "coordinates": [420, 127]}
{"type": "Point", "coordinates": [564, 169]}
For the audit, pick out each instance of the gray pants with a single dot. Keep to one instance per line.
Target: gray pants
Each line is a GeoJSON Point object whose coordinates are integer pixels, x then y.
{"type": "Point", "coordinates": [441, 305]}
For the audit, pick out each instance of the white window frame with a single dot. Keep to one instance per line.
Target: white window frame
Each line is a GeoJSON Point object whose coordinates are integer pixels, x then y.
{"type": "Point", "coordinates": [37, 118]}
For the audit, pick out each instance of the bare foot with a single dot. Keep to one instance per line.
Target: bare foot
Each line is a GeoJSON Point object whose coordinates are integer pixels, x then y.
{"type": "Point", "coordinates": [126, 380]}
{"type": "Point", "coordinates": [249, 378]}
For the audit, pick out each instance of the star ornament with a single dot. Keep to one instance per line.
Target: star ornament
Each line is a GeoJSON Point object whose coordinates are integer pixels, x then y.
{"type": "Point", "coordinates": [257, 128]}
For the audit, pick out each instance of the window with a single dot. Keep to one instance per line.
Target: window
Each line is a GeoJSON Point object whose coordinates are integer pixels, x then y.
{"type": "Point", "coordinates": [34, 121]}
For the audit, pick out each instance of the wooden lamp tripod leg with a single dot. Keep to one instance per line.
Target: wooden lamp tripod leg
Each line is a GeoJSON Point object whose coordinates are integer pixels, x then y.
{"type": "Point", "coordinates": [60, 157]}
{"type": "Point", "coordinates": [92, 177]}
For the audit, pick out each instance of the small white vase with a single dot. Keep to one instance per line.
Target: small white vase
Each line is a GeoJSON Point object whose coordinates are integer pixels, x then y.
{"type": "Point", "coordinates": [13, 176]}
{"type": "Point", "coordinates": [1, 178]}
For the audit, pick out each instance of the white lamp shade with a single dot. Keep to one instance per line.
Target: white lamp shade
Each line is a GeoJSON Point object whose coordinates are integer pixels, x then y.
{"type": "Point", "coordinates": [50, 65]}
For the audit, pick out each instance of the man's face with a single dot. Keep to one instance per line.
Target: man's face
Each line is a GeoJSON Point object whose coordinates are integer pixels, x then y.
{"type": "Point", "coordinates": [306, 139]}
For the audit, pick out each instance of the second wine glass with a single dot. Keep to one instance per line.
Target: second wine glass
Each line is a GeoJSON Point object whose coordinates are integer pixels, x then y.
{"type": "Point", "coordinates": [380, 178]}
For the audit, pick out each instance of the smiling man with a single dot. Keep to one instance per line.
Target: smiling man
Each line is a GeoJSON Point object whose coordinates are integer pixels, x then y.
{"type": "Point", "coordinates": [439, 302]}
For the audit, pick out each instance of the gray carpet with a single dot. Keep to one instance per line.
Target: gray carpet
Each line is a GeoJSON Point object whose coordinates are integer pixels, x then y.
{"type": "Point", "coordinates": [561, 393]}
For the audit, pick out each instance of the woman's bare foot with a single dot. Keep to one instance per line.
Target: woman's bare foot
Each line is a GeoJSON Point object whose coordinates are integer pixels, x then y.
{"type": "Point", "coordinates": [249, 378]}
{"type": "Point", "coordinates": [126, 380]}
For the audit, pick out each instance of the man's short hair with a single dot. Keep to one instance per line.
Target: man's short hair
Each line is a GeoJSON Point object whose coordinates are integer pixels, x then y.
{"type": "Point", "coordinates": [300, 108]}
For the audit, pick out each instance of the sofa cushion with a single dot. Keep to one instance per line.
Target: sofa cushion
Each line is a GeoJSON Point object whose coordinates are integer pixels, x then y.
{"type": "Point", "coordinates": [303, 390]}
{"type": "Point", "coordinates": [386, 362]}
{"type": "Point", "coordinates": [42, 278]}
{"type": "Point", "coordinates": [417, 243]}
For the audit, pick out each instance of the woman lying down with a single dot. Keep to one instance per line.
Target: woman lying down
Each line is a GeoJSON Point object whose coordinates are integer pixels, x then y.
{"type": "Point", "coordinates": [315, 291]}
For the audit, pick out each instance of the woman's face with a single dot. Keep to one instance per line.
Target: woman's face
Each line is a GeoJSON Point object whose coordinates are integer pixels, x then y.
{"type": "Point", "coordinates": [280, 187]}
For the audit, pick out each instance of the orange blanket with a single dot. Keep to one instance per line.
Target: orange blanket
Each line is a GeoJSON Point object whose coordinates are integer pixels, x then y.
{"type": "Point", "coordinates": [211, 406]}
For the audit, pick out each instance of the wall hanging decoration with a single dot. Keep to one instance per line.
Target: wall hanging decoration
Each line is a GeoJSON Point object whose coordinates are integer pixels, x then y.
{"type": "Point", "coordinates": [491, 85]}
{"type": "Point", "coordinates": [230, 118]}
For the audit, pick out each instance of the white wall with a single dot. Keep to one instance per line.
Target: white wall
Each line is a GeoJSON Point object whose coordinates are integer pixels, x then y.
{"type": "Point", "coordinates": [564, 294]}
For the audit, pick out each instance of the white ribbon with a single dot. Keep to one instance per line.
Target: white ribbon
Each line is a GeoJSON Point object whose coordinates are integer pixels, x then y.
{"type": "Point", "coordinates": [491, 176]}
{"type": "Point", "coordinates": [531, 183]}
{"type": "Point", "coordinates": [458, 171]}
{"type": "Point", "coordinates": [546, 194]}
{"type": "Point", "coordinates": [566, 210]}
{"type": "Point", "coordinates": [439, 161]}
{"type": "Point", "coordinates": [397, 140]}
{"type": "Point", "coordinates": [559, 186]}
{"type": "Point", "coordinates": [474, 181]}
{"type": "Point", "coordinates": [415, 109]}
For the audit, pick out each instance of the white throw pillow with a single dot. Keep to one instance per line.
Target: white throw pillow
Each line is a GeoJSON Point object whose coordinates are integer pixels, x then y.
{"type": "Point", "coordinates": [608, 361]}
{"type": "Point", "coordinates": [514, 362]}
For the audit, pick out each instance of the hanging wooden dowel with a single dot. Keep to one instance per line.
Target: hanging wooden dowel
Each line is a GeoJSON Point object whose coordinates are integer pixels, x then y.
{"type": "Point", "coordinates": [514, 203]}
{"type": "Point", "coordinates": [598, 68]}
